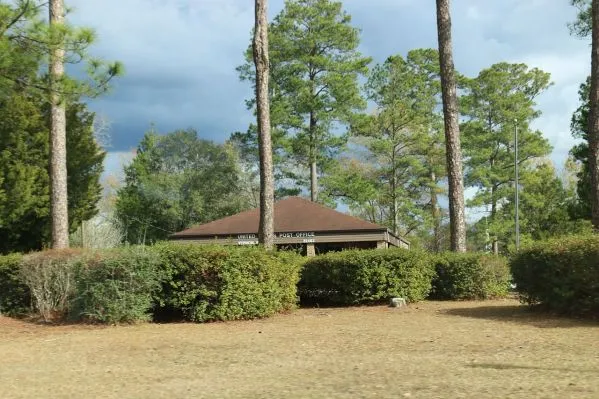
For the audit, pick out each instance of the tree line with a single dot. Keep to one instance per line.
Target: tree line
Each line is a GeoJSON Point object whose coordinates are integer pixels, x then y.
{"type": "Point", "coordinates": [386, 140]}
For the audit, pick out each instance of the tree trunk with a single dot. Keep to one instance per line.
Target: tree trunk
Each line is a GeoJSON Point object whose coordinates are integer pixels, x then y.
{"type": "Point", "coordinates": [457, 218]}
{"type": "Point", "coordinates": [266, 235]}
{"type": "Point", "coordinates": [435, 214]}
{"type": "Point", "coordinates": [313, 167]}
{"type": "Point", "coordinates": [495, 242]}
{"type": "Point", "coordinates": [58, 151]}
{"type": "Point", "coordinates": [594, 119]}
{"type": "Point", "coordinates": [394, 202]}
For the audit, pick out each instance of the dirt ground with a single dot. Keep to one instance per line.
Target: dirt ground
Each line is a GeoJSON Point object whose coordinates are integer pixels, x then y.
{"type": "Point", "coordinates": [492, 349]}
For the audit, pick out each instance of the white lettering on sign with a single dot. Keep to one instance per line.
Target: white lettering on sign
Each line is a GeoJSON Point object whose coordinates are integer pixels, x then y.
{"type": "Point", "coordinates": [253, 242]}
{"type": "Point", "coordinates": [308, 240]}
{"type": "Point", "coordinates": [246, 236]}
{"type": "Point", "coordinates": [299, 234]}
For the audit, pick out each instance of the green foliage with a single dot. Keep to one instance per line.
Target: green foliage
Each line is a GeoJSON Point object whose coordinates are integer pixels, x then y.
{"type": "Point", "coordinates": [581, 206]}
{"type": "Point", "coordinates": [208, 283]}
{"type": "Point", "coordinates": [582, 27]}
{"type": "Point", "coordinates": [470, 276]}
{"type": "Point", "coordinates": [401, 144]}
{"type": "Point", "coordinates": [24, 180]}
{"type": "Point", "coordinates": [544, 212]}
{"type": "Point", "coordinates": [367, 276]}
{"type": "Point", "coordinates": [494, 100]}
{"type": "Point", "coordinates": [15, 298]}
{"type": "Point", "coordinates": [26, 42]}
{"type": "Point", "coordinates": [315, 66]}
{"type": "Point", "coordinates": [561, 274]}
{"type": "Point", "coordinates": [175, 181]}
{"type": "Point", "coordinates": [116, 286]}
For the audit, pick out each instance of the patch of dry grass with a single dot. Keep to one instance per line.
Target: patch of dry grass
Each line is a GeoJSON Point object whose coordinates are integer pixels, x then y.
{"type": "Point", "coordinates": [430, 350]}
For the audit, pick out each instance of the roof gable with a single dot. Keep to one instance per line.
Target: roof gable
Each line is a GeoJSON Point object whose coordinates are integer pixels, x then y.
{"type": "Point", "coordinates": [293, 214]}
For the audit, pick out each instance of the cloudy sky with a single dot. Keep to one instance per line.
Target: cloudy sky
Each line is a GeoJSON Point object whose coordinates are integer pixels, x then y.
{"type": "Point", "coordinates": [180, 57]}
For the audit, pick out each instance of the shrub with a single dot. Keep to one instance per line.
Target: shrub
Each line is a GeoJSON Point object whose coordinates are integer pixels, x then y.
{"type": "Point", "coordinates": [15, 298]}
{"type": "Point", "coordinates": [561, 274]}
{"type": "Point", "coordinates": [366, 276]}
{"type": "Point", "coordinates": [49, 277]}
{"type": "Point", "coordinates": [207, 283]}
{"type": "Point", "coordinates": [470, 276]}
{"type": "Point", "coordinates": [116, 286]}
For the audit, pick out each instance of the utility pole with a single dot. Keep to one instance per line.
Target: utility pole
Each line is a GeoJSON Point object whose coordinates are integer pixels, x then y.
{"type": "Point", "coordinates": [516, 185]}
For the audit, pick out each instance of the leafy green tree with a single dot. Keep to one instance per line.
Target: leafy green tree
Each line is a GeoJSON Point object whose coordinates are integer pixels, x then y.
{"type": "Point", "coordinates": [175, 181]}
{"type": "Point", "coordinates": [494, 100]}
{"type": "Point", "coordinates": [315, 66]}
{"type": "Point", "coordinates": [24, 157]}
{"type": "Point", "coordinates": [583, 25]}
{"type": "Point", "coordinates": [26, 40]}
{"type": "Point", "coordinates": [397, 181]}
{"type": "Point", "coordinates": [543, 212]}
{"type": "Point", "coordinates": [581, 206]}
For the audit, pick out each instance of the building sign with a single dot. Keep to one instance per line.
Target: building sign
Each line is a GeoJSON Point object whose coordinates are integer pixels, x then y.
{"type": "Point", "coordinates": [247, 236]}
{"type": "Point", "coordinates": [252, 239]}
{"type": "Point", "coordinates": [299, 234]}
{"type": "Point", "coordinates": [252, 242]}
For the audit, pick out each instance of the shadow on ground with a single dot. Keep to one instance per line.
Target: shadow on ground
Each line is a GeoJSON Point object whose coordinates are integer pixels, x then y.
{"type": "Point", "coordinates": [520, 314]}
{"type": "Point", "coordinates": [505, 366]}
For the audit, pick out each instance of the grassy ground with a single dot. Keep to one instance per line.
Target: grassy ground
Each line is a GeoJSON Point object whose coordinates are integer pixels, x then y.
{"type": "Point", "coordinates": [430, 350]}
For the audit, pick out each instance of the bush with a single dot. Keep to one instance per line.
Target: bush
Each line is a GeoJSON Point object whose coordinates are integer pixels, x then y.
{"type": "Point", "coordinates": [49, 277]}
{"type": "Point", "coordinates": [15, 298]}
{"type": "Point", "coordinates": [207, 283]}
{"type": "Point", "coordinates": [366, 276]}
{"type": "Point", "coordinates": [470, 276]}
{"type": "Point", "coordinates": [561, 274]}
{"type": "Point", "coordinates": [116, 286]}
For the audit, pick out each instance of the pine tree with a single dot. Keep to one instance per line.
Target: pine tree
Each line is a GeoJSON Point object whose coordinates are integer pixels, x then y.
{"type": "Point", "coordinates": [315, 67]}
{"type": "Point", "coordinates": [260, 45]}
{"type": "Point", "coordinates": [455, 178]}
{"type": "Point", "coordinates": [497, 101]}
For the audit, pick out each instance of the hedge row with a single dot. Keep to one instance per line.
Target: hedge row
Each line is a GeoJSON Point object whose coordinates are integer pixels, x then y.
{"type": "Point", "coordinates": [113, 286]}
{"type": "Point", "coordinates": [205, 283]}
{"type": "Point", "coordinates": [136, 284]}
{"type": "Point", "coordinates": [366, 277]}
{"type": "Point", "coordinates": [470, 276]}
{"type": "Point", "coordinates": [362, 277]}
{"type": "Point", "coordinates": [560, 274]}
{"type": "Point", "coordinates": [226, 283]}
{"type": "Point", "coordinates": [15, 298]}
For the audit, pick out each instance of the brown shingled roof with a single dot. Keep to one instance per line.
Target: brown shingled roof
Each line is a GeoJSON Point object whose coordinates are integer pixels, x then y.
{"type": "Point", "coordinates": [291, 214]}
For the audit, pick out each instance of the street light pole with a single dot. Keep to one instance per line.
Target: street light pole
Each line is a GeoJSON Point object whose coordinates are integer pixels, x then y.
{"type": "Point", "coordinates": [516, 184]}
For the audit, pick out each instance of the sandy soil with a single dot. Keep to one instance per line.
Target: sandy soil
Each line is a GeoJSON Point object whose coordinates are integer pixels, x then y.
{"type": "Point", "coordinates": [492, 349]}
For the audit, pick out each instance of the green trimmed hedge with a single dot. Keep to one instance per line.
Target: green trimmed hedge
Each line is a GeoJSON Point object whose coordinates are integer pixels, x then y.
{"type": "Point", "coordinates": [561, 274]}
{"type": "Point", "coordinates": [15, 298]}
{"type": "Point", "coordinates": [116, 286]}
{"type": "Point", "coordinates": [206, 283]}
{"type": "Point", "coordinates": [470, 276]}
{"type": "Point", "coordinates": [366, 277]}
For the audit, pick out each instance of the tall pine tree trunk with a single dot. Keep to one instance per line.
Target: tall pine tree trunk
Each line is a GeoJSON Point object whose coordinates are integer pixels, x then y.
{"type": "Point", "coordinates": [266, 233]}
{"type": "Point", "coordinates": [594, 118]}
{"type": "Point", "coordinates": [435, 213]}
{"type": "Point", "coordinates": [457, 218]}
{"type": "Point", "coordinates": [313, 167]}
{"type": "Point", "coordinates": [394, 200]}
{"type": "Point", "coordinates": [495, 242]}
{"type": "Point", "coordinates": [58, 150]}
